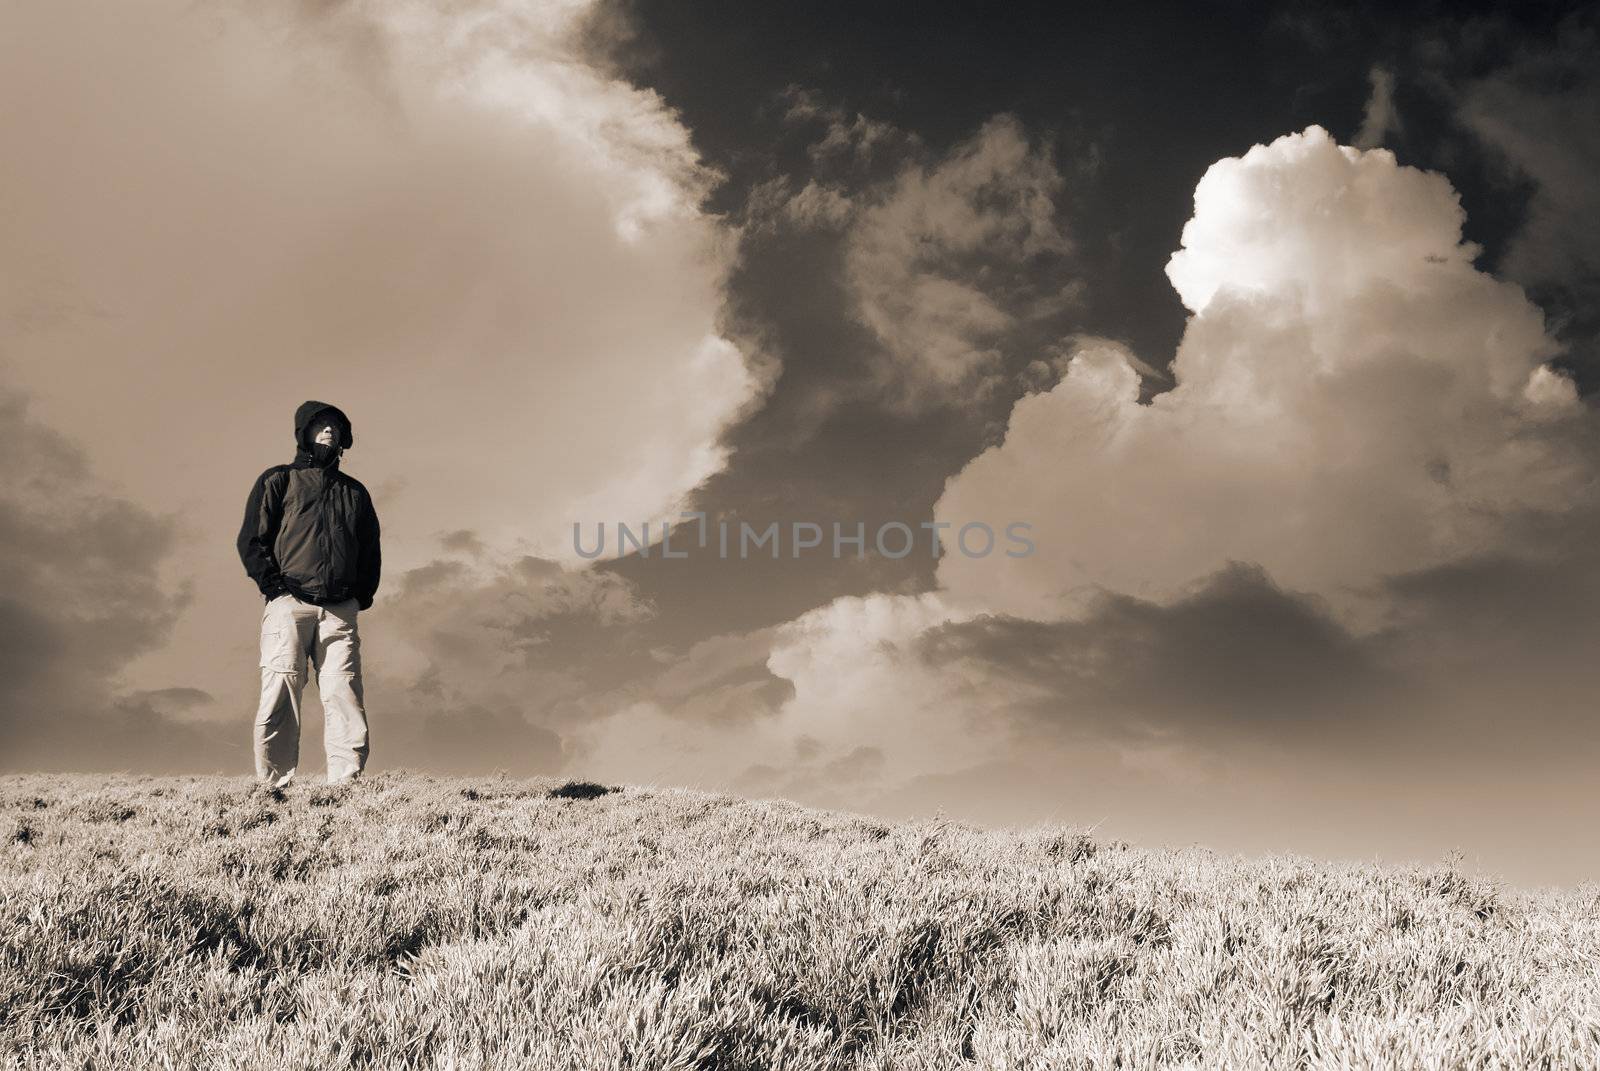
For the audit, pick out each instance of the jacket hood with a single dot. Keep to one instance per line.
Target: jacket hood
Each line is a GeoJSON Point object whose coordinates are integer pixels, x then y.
{"type": "Point", "coordinates": [308, 412]}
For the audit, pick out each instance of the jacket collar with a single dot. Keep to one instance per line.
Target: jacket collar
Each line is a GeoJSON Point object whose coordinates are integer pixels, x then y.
{"type": "Point", "coordinates": [305, 459]}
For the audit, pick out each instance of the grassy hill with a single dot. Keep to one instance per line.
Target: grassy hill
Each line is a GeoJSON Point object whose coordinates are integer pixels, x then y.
{"type": "Point", "coordinates": [412, 921]}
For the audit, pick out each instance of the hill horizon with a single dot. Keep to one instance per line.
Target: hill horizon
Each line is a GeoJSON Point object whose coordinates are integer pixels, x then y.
{"type": "Point", "coordinates": [420, 921]}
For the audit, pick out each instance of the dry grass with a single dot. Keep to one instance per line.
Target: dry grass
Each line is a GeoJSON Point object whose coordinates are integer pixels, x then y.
{"type": "Point", "coordinates": [411, 921]}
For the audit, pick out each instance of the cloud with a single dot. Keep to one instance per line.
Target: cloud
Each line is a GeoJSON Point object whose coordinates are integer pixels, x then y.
{"type": "Point", "coordinates": [1342, 550]}
{"type": "Point", "coordinates": [493, 659]}
{"type": "Point", "coordinates": [858, 682]}
{"type": "Point", "coordinates": [942, 264]}
{"type": "Point", "coordinates": [823, 708]}
{"type": "Point", "coordinates": [1380, 118]}
{"type": "Point", "coordinates": [1234, 660]}
{"type": "Point", "coordinates": [848, 141]}
{"type": "Point", "coordinates": [1354, 400]}
{"type": "Point", "coordinates": [462, 539]}
{"type": "Point", "coordinates": [934, 690]}
{"type": "Point", "coordinates": [819, 207]}
{"type": "Point", "coordinates": [444, 218]}
{"type": "Point", "coordinates": [498, 617]}
{"type": "Point", "coordinates": [1540, 114]}
{"type": "Point", "coordinates": [723, 678]}
{"type": "Point", "coordinates": [1238, 714]}
{"type": "Point", "coordinates": [851, 431]}
{"type": "Point", "coordinates": [88, 585]}
{"type": "Point", "coordinates": [489, 657]}
{"type": "Point", "coordinates": [176, 702]}
{"type": "Point", "coordinates": [1364, 512]}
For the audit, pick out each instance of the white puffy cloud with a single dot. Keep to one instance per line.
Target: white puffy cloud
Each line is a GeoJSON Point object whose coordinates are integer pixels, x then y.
{"type": "Point", "coordinates": [1334, 550]}
{"type": "Point", "coordinates": [858, 682]}
{"type": "Point", "coordinates": [859, 703]}
{"type": "Point", "coordinates": [1354, 399]}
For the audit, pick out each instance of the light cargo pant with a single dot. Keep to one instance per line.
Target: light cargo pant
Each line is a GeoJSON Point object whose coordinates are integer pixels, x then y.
{"type": "Point", "coordinates": [291, 633]}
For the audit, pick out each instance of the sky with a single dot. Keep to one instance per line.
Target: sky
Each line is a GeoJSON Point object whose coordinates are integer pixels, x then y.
{"type": "Point", "coordinates": [1242, 359]}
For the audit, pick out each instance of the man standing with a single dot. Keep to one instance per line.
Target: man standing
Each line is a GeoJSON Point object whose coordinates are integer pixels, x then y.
{"type": "Point", "coordinates": [310, 543]}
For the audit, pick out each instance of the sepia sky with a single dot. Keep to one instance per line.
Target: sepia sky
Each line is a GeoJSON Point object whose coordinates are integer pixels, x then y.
{"type": "Point", "coordinates": [1278, 328]}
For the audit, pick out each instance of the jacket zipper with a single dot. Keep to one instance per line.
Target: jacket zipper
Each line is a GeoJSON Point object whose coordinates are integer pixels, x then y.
{"type": "Point", "coordinates": [327, 537]}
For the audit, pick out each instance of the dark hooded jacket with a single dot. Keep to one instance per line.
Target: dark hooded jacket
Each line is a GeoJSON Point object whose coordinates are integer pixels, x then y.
{"type": "Point", "coordinates": [309, 529]}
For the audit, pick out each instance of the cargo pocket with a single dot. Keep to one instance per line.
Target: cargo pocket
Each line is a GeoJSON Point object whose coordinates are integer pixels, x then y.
{"type": "Point", "coordinates": [277, 646]}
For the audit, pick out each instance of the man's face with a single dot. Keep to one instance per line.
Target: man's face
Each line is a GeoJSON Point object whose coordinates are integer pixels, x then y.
{"type": "Point", "coordinates": [326, 433]}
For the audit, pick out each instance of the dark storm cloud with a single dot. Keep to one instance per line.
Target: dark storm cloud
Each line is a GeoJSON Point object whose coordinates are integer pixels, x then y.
{"type": "Point", "coordinates": [903, 293]}
{"type": "Point", "coordinates": [812, 112]}
{"type": "Point", "coordinates": [1246, 718]}
{"type": "Point", "coordinates": [1503, 646]}
{"type": "Point", "coordinates": [1240, 659]}
{"type": "Point", "coordinates": [85, 587]}
{"type": "Point", "coordinates": [1540, 113]}
{"type": "Point", "coordinates": [886, 277]}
